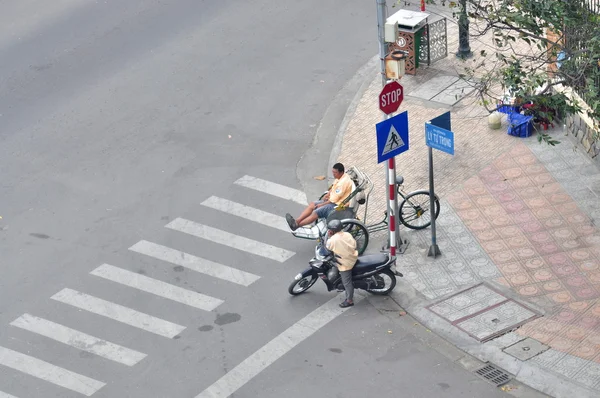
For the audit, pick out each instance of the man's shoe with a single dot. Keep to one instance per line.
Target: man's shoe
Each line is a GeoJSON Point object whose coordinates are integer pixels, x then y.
{"type": "Point", "coordinates": [346, 304]}
{"type": "Point", "coordinates": [291, 222]}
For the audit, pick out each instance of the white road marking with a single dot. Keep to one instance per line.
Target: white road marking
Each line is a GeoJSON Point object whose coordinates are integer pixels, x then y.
{"type": "Point", "coordinates": [275, 349]}
{"type": "Point", "coordinates": [78, 339]}
{"type": "Point", "coordinates": [272, 188]}
{"type": "Point", "coordinates": [229, 239]}
{"type": "Point", "coordinates": [194, 263]}
{"type": "Point", "coordinates": [159, 288]}
{"type": "Point", "coordinates": [249, 213]}
{"type": "Point", "coordinates": [118, 313]}
{"type": "Point", "coordinates": [48, 372]}
{"type": "Point", "coordinates": [5, 395]}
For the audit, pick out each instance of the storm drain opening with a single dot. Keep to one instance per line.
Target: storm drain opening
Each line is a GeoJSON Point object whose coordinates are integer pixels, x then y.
{"type": "Point", "coordinates": [493, 374]}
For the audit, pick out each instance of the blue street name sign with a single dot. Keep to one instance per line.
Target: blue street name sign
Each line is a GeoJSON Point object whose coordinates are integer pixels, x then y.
{"type": "Point", "coordinates": [439, 138]}
{"type": "Point", "coordinates": [392, 137]}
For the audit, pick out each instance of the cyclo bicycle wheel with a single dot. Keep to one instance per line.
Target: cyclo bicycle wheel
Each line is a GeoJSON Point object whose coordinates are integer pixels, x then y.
{"type": "Point", "coordinates": [359, 232]}
{"type": "Point", "coordinates": [414, 211]}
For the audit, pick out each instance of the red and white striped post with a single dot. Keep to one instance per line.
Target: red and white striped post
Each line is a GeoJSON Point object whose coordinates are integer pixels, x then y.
{"type": "Point", "coordinates": [392, 204]}
{"type": "Point", "coordinates": [390, 174]}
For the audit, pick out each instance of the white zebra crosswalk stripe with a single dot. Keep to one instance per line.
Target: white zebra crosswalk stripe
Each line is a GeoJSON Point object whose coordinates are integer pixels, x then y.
{"type": "Point", "coordinates": [49, 372]}
{"type": "Point", "coordinates": [229, 239]}
{"type": "Point", "coordinates": [265, 356]}
{"type": "Point", "coordinates": [272, 188]}
{"type": "Point", "coordinates": [249, 213]}
{"type": "Point", "coordinates": [5, 395]}
{"type": "Point", "coordinates": [194, 263]}
{"type": "Point", "coordinates": [118, 313]}
{"type": "Point", "coordinates": [77, 339]}
{"type": "Point", "coordinates": [154, 286]}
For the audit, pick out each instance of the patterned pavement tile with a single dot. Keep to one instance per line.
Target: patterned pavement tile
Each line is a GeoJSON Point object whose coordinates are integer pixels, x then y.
{"type": "Point", "coordinates": [507, 340]}
{"type": "Point", "coordinates": [570, 365]}
{"type": "Point", "coordinates": [513, 211]}
{"type": "Point", "coordinates": [496, 319]}
{"type": "Point", "coordinates": [589, 375]}
{"type": "Point", "coordinates": [549, 358]}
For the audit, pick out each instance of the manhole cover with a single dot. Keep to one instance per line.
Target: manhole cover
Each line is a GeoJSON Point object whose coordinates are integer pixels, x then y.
{"type": "Point", "coordinates": [493, 374]}
{"type": "Point", "coordinates": [526, 349]}
{"type": "Point", "coordinates": [482, 312]}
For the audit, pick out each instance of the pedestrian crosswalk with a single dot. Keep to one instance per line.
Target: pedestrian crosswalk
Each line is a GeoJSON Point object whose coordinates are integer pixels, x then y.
{"type": "Point", "coordinates": [137, 283]}
{"type": "Point", "coordinates": [231, 240]}
{"type": "Point", "coordinates": [272, 188]}
{"type": "Point", "coordinates": [194, 263]}
{"type": "Point", "coordinates": [77, 339]}
{"type": "Point", "coordinates": [249, 213]}
{"type": "Point", "coordinates": [156, 287]}
{"type": "Point", "coordinates": [48, 372]}
{"type": "Point", "coordinates": [118, 313]}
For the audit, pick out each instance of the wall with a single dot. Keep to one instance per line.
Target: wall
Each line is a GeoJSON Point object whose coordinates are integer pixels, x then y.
{"type": "Point", "coordinates": [579, 130]}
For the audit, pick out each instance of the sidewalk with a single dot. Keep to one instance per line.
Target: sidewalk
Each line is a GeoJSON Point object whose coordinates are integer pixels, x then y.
{"type": "Point", "coordinates": [517, 215]}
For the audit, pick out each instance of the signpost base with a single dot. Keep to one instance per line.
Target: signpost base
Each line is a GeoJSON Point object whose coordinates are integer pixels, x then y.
{"type": "Point", "coordinates": [434, 251]}
{"type": "Point", "coordinates": [401, 245]}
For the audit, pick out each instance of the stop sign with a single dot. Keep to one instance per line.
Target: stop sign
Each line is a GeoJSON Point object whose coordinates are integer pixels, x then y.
{"type": "Point", "coordinates": [391, 97]}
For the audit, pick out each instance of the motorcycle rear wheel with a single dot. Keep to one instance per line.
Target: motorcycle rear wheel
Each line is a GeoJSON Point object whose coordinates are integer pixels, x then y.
{"type": "Point", "coordinates": [300, 286]}
{"type": "Point", "coordinates": [389, 285]}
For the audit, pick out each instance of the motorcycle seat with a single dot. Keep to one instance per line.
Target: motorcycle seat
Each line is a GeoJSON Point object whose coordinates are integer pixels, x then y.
{"type": "Point", "coordinates": [369, 262]}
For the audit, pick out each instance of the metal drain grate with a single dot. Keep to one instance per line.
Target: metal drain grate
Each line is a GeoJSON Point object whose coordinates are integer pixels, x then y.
{"type": "Point", "coordinates": [493, 374]}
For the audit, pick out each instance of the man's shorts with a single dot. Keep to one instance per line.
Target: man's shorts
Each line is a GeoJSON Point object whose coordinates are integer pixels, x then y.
{"type": "Point", "coordinates": [324, 211]}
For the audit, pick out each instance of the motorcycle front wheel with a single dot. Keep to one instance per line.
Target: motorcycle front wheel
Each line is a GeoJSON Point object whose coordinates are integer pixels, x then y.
{"type": "Point", "coordinates": [389, 283]}
{"type": "Point", "coordinates": [300, 286]}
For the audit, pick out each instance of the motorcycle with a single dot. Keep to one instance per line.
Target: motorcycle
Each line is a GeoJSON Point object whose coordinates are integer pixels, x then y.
{"type": "Point", "coordinates": [372, 272]}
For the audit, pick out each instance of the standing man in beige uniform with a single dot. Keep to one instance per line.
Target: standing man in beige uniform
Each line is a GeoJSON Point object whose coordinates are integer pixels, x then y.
{"type": "Point", "coordinates": [343, 245]}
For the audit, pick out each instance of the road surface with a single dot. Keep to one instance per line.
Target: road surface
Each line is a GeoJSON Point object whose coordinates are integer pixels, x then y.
{"type": "Point", "coordinates": [142, 144]}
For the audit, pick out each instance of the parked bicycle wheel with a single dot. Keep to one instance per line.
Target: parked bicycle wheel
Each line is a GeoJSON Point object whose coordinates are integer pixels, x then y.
{"type": "Point", "coordinates": [414, 211]}
{"type": "Point", "coordinates": [359, 232]}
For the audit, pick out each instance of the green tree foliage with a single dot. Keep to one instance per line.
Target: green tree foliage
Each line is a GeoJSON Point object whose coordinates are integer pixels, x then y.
{"type": "Point", "coordinates": [526, 39]}
{"type": "Point", "coordinates": [540, 46]}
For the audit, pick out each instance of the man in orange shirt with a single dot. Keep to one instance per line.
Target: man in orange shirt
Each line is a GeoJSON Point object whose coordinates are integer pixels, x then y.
{"type": "Point", "coordinates": [340, 190]}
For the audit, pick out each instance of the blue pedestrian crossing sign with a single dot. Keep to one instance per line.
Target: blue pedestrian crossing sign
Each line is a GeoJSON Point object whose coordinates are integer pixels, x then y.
{"type": "Point", "coordinates": [392, 137]}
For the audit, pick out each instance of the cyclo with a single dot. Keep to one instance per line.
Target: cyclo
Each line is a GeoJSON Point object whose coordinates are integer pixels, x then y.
{"type": "Point", "coordinates": [413, 211]}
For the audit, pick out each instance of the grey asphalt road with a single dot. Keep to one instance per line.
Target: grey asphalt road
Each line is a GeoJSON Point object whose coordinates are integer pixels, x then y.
{"type": "Point", "coordinates": [120, 117]}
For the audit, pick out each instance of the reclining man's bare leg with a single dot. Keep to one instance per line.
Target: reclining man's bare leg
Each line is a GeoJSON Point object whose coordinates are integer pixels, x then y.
{"type": "Point", "coordinates": [308, 216]}
{"type": "Point", "coordinates": [309, 211]}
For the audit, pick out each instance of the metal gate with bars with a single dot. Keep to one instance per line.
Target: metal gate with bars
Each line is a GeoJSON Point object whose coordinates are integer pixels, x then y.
{"type": "Point", "coordinates": [434, 42]}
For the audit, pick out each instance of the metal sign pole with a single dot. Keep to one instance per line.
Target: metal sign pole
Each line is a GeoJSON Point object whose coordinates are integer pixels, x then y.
{"type": "Point", "coordinates": [390, 173]}
{"type": "Point", "coordinates": [434, 250]}
{"type": "Point", "coordinates": [381, 17]}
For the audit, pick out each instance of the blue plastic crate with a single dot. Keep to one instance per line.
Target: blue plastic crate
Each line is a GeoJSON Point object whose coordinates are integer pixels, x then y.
{"type": "Point", "coordinates": [520, 125]}
{"type": "Point", "coordinates": [508, 109]}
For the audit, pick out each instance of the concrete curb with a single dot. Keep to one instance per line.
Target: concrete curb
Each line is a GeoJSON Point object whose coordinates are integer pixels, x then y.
{"type": "Point", "coordinates": [550, 383]}
{"type": "Point", "coordinates": [313, 162]}
{"type": "Point", "coordinates": [327, 143]}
